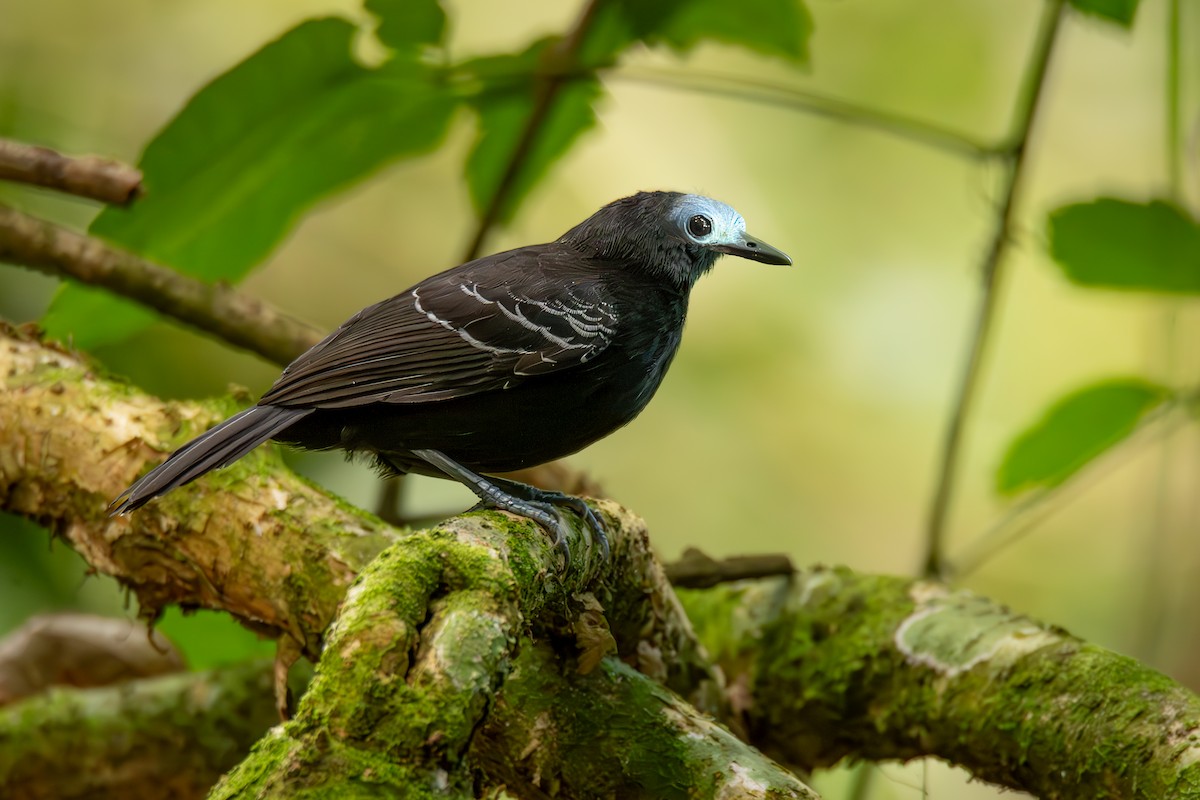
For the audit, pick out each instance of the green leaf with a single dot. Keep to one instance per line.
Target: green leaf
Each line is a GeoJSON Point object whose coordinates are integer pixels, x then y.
{"type": "Point", "coordinates": [770, 27]}
{"type": "Point", "coordinates": [1075, 430]}
{"type": "Point", "coordinates": [1124, 245]}
{"type": "Point", "coordinates": [408, 23]}
{"type": "Point", "coordinates": [504, 109]}
{"type": "Point", "coordinates": [1119, 11]}
{"type": "Point", "coordinates": [234, 171]}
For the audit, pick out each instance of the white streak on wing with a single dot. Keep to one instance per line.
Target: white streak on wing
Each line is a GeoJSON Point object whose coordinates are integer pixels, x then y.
{"type": "Point", "coordinates": [471, 340]}
{"type": "Point", "coordinates": [587, 326]}
{"type": "Point", "coordinates": [576, 316]}
{"type": "Point", "coordinates": [584, 329]}
{"type": "Point", "coordinates": [516, 316]}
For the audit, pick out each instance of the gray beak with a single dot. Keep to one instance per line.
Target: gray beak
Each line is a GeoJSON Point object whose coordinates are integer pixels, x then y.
{"type": "Point", "coordinates": [756, 250]}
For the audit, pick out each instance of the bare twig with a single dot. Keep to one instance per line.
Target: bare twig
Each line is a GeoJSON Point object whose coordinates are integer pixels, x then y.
{"type": "Point", "coordinates": [696, 570]}
{"type": "Point", "coordinates": [1035, 80]}
{"type": "Point", "coordinates": [549, 84]}
{"type": "Point", "coordinates": [87, 176]}
{"type": "Point", "coordinates": [236, 318]}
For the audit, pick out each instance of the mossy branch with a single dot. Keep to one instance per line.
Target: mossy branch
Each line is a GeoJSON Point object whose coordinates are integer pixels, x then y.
{"type": "Point", "coordinates": [463, 650]}
{"type": "Point", "coordinates": [834, 665]}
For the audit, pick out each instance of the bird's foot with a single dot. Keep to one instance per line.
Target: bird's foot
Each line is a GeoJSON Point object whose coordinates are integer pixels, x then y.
{"type": "Point", "coordinates": [533, 494]}
{"type": "Point", "coordinates": [539, 505]}
{"type": "Point", "coordinates": [543, 514]}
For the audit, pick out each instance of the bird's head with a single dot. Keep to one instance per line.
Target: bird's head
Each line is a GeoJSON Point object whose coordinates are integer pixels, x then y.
{"type": "Point", "coordinates": [678, 236]}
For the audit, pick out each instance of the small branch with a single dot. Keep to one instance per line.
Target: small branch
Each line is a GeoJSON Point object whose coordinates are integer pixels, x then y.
{"type": "Point", "coordinates": [1035, 80]}
{"type": "Point", "coordinates": [80, 650]}
{"type": "Point", "coordinates": [548, 87]}
{"type": "Point", "coordinates": [130, 740]}
{"type": "Point", "coordinates": [87, 176]}
{"type": "Point", "coordinates": [696, 570]}
{"type": "Point", "coordinates": [232, 316]}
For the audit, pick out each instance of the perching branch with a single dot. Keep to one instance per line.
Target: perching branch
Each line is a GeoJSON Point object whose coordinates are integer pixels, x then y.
{"type": "Point", "coordinates": [73, 439]}
{"type": "Point", "coordinates": [990, 271]}
{"type": "Point", "coordinates": [232, 316]}
{"type": "Point", "coordinates": [420, 658]}
{"type": "Point", "coordinates": [87, 176]}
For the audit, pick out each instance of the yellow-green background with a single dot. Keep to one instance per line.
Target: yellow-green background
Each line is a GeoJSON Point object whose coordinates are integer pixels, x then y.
{"type": "Point", "coordinates": [806, 407]}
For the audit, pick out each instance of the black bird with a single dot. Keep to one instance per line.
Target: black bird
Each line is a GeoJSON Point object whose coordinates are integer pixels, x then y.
{"type": "Point", "coordinates": [499, 364]}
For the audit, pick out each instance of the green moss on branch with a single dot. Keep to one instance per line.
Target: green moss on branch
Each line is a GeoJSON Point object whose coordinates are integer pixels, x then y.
{"type": "Point", "coordinates": [842, 665]}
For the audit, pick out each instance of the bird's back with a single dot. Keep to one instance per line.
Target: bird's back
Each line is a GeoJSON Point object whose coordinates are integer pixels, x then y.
{"type": "Point", "coordinates": [502, 363]}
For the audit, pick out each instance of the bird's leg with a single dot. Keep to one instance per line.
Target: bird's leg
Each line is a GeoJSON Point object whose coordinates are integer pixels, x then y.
{"type": "Point", "coordinates": [540, 511]}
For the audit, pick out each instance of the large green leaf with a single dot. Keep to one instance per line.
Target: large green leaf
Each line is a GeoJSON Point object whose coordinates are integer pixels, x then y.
{"type": "Point", "coordinates": [1119, 11]}
{"type": "Point", "coordinates": [229, 176]}
{"type": "Point", "coordinates": [1124, 245]}
{"type": "Point", "coordinates": [1075, 430]}
{"type": "Point", "coordinates": [504, 107]}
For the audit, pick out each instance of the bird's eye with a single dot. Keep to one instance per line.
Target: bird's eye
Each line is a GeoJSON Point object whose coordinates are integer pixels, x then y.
{"type": "Point", "coordinates": [699, 226]}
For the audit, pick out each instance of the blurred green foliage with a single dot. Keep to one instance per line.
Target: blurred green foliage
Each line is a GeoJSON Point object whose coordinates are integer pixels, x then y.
{"type": "Point", "coordinates": [805, 406]}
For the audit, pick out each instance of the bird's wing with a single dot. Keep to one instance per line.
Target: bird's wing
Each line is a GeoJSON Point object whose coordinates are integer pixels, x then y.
{"type": "Point", "coordinates": [481, 327]}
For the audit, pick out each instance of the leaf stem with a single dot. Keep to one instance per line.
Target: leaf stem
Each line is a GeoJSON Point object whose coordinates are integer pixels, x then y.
{"type": "Point", "coordinates": [789, 97]}
{"type": "Point", "coordinates": [548, 86]}
{"type": "Point", "coordinates": [990, 272]}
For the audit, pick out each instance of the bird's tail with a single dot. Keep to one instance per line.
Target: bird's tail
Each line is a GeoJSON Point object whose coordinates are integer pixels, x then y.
{"type": "Point", "coordinates": [219, 446]}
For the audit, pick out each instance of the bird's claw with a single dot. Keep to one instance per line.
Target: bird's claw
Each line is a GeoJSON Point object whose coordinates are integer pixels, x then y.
{"type": "Point", "coordinates": [563, 546]}
{"type": "Point", "coordinates": [580, 507]}
{"type": "Point", "coordinates": [540, 505]}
